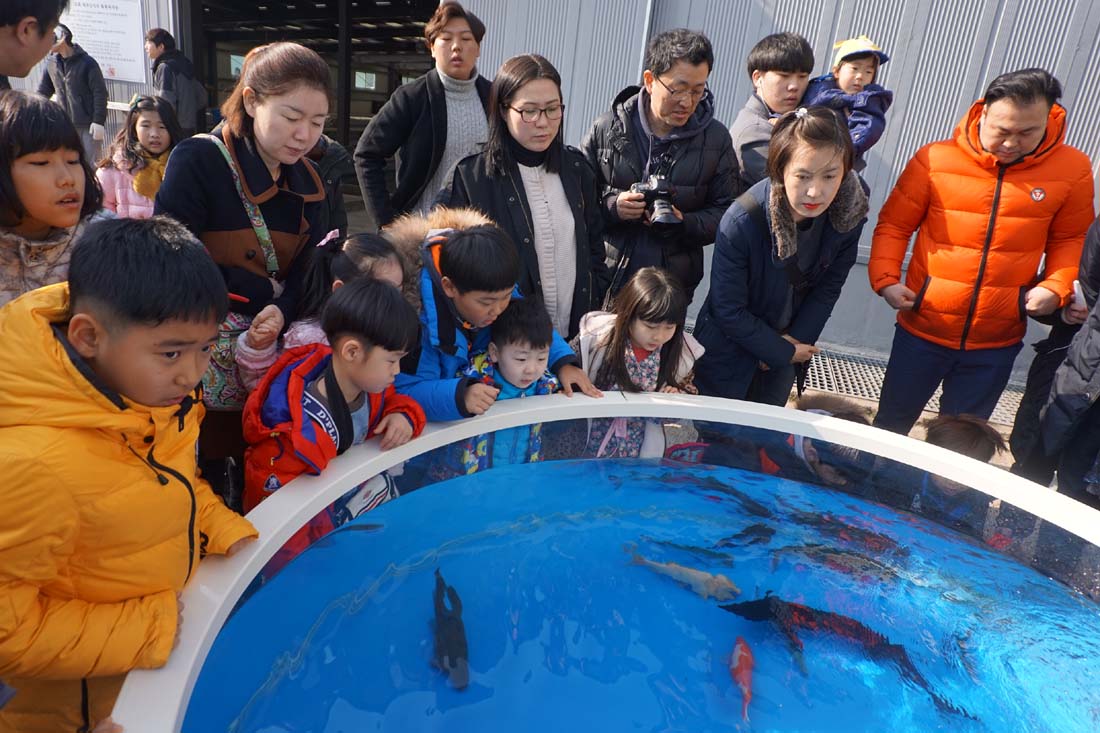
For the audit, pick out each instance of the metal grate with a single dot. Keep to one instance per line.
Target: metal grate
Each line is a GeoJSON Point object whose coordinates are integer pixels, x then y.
{"type": "Point", "coordinates": [861, 376]}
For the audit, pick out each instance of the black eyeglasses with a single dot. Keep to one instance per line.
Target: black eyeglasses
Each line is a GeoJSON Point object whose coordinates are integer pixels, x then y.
{"type": "Point", "coordinates": [693, 94]}
{"type": "Point", "coordinates": [531, 114]}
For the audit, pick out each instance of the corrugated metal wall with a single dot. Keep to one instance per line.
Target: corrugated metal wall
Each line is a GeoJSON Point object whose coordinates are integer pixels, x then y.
{"type": "Point", "coordinates": [943, 54]}
{"type": "Point", "coordinates": [155, 14]}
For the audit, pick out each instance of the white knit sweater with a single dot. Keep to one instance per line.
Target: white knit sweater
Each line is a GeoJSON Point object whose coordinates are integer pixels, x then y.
{"type": "Point", "coordinates": [555, 241]}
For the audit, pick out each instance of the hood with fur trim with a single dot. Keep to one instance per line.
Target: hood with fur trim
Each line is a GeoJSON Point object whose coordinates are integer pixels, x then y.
{"type": "Point", "coordinates": [845, 213]}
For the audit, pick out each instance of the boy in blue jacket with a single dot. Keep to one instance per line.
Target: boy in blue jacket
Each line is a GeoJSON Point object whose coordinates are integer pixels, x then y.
{"type": "Point", "coordinates": [466, 281]}
{"type": "Point", "coordinates": [850, 88]}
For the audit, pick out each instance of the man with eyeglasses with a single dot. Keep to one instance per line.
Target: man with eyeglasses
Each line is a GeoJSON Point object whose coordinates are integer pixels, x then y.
{"type": "Point", "coordinates": [665, 128]}
{"type": "Point", "coordinates": [26, 34]}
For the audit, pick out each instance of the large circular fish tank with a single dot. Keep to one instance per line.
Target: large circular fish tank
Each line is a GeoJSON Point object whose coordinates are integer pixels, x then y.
{"type": "Point", "coordinates": [782, 571]}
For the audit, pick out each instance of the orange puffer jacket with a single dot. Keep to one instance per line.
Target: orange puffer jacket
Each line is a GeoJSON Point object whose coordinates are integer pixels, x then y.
{"type": "Point", "coordinates": [984, 228]}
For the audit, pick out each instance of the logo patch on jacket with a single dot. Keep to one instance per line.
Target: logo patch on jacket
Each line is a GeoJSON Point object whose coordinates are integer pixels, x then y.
{"type": "Point", "coordinates": [1038, 194]}
{"type": "Point", "coordinates": [272, 483]}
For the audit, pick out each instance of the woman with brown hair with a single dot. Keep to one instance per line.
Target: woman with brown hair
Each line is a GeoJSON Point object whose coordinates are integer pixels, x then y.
{"type": "Point", "coordinates": [247, 193]}
{"type": "Point", "coordinates": [783, 252]}
{"type": "Point", "coordinates": [540, 192]}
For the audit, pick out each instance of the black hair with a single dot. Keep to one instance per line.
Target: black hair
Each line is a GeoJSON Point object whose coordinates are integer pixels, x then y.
{"type": "Point", "coordinates": [480, 258]}
{"type": "Point", "coordinates": [345, 260]}
{"type": "Point", "coordinates": [126, 141]}
{"type": "Point", "coordinates": [161, 37]}
{"type": "Point", "coordinates": [967, 434]}
{"type": "Point", "coordinates": [818, 127]}
{"type": "Point", "coordinates": [444, 14]}
{"type": "Point", "coordinates": [66, 33]}
{"type": "Point", "coordinates": [652, 295]}
{"type": "Point", "coordinates": [679, 44]}
{"type": "Point", "coordinates": [33, 124]}
{"type": "Point", "coordinates": [524, 321]}
{"type": "Point", "coordinates": [373, 312]}
{"type": "Point", "coordinates": [1025, 86]}
{"type": "Point", "coordinates": [513, 75]}
{"type": "Point", "coordinates": [146, 271]}
{"type": "Point", "coordinates": [46, 12]}
{"type": "Point", "coordinates": [786, 52]}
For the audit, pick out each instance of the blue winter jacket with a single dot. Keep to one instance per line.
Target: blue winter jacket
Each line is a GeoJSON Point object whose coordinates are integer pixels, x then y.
{"type": "Point", "coordinates": [749, 287]}
{"type": "Point", "coordinates": [866, 109]}
{"type": "Point", "coordinates": [433, 373]}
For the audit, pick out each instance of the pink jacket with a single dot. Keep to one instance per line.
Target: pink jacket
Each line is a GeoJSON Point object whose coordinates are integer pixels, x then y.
{"type": "Point", "coordinates": [119, 195]}
{"type": "Point", "coordinates": [252, 364]}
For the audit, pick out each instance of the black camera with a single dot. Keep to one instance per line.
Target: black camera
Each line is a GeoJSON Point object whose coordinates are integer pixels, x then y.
{"type": "Point", "coordinates": [658, 199]}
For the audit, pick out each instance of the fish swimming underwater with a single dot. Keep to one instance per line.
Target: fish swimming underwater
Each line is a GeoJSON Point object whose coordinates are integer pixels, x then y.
{"type": "Point", "coordinates": [754, 534]}
{"type": "Point", "coordinates": [705, 584]}
{"type": "Point", "coordinates": [837, 529]}
{"type": "Point", "coordinates": [843, 561]}
{"type": "Point", "coordinates": [741, 663]}
{"type": "Point", "coordinates": [451, 653]}
{"type": "Point", "coordinates": [790, 617]}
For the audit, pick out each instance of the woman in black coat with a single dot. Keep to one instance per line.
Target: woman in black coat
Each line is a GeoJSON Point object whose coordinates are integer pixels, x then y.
{"type": "Point", "coordinates": [542, 193]}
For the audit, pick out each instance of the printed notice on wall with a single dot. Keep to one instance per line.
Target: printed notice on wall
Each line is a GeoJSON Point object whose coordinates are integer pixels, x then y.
{"type": "Point", "coordinates": [112, 34]}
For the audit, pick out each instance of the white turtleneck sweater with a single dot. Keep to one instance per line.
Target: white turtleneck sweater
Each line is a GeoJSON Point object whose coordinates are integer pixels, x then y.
{"type": "Point", "coordinates": [467, 132]}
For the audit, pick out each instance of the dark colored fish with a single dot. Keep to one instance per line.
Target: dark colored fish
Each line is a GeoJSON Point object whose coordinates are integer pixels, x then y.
{"type": "Point", "coordinates": [789, 618]}
{"type": "Point", "coordinates": [843, 561]}
{"type": "Point", "coordinates": [704, 553]}
{"type": "Point", "coordinates": [836, 529]}
{"type": "Point", "coordinates": [754, 534]}
{"type": "Point", "coordinates": [451, 653]}
{"type": "Point", "coordinates": [752, 506]}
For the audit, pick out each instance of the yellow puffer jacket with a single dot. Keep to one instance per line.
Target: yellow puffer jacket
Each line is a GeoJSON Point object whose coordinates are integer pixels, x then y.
{"type": "Point", "coordinates": [102, 520]}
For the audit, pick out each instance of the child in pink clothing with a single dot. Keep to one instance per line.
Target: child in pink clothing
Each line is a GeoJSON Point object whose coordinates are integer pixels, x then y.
{"type": "Point", "coordinates": [336, 263]}
{"type": "Point", "coordinates": [131, 173]}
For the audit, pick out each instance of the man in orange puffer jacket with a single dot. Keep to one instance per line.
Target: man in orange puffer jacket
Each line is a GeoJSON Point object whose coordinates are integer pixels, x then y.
{"type": "Point", "coordinates": [989, 205]}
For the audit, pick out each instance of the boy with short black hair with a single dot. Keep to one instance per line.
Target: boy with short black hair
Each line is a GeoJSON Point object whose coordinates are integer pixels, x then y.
{"type": "Point", "coordinates": [515, 364]}
{"type": "Point", "coordinates": [317, 401]}
{"type": "Point", "coordinates": [850, 88]}
{"type": "Point", "coordinates": [466, 281]}
{"type": "Point", "coordinates": [105, 516]}
{"type": "Point", "coordinates": [779, 66]}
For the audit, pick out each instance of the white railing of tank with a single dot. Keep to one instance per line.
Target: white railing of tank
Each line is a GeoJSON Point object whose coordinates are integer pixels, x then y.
{"type": "Point", "coordinates": [155, 701]}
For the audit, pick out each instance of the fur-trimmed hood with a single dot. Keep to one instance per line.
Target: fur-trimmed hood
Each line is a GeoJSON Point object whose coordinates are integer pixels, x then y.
{"type": "Point", "coordinates": [407, 233]}
{"type": "Point", "coordinates": [848, 209]}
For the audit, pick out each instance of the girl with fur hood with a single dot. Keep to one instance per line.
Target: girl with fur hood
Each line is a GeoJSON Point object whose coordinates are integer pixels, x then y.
{"type": "Point", "coordinates": [783, 252]}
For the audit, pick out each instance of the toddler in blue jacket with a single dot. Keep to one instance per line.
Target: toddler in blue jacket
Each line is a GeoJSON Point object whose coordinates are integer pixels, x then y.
{"type": "Point", "coordinates": [850, 87]}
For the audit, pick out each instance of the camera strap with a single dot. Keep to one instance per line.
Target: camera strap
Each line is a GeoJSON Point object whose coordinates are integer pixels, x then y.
{"type": "Point", "coordinates": [795, 276]}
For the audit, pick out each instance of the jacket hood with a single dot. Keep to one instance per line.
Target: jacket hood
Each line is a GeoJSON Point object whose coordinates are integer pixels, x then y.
{"type": "Point", "coordinates": [845, 213]}
{"type": "Point", "coordinates": [176, 61]}
{"type": "Point", "coordinates": [632, 96]}
{"type": "Point", "coordinates": [51, 385]}
{"type": "Point", "coordinates": [407, 233]}
{"type": "Point", "coordinates": [967, 138]}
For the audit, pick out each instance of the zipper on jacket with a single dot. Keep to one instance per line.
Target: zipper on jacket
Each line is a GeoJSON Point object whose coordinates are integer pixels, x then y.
{"type": "Point", "coordinates": [84, 708]}
{"type": "Point", "coordinates": [985, 256]}
{"type": "Point", "coordinates": [191, 521]}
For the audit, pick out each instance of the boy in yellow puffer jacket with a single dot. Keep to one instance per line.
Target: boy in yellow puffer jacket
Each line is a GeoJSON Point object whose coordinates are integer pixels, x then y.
{"type": "Point", "coordinates": [104, 515]}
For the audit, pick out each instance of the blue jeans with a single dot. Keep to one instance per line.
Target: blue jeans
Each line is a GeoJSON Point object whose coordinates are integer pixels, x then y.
{"type": "Point", "coordinates": [972, 380]}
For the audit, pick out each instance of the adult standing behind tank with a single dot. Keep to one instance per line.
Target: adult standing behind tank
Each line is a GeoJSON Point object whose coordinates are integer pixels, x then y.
{"type": "Point", "coordinates": [539, 191]}
{"type": "Point", "coordinates": [667, 129]}
{"type": "Point", "coordinates": [174, 80]}
{"type": "Point", "coordinates": [428, 124]}
{"type": "Point", "coordinates": [76, 79]}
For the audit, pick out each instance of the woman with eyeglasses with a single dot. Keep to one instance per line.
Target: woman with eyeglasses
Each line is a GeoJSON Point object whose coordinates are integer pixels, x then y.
{"type": "Point", "coordinates": [539, 191]}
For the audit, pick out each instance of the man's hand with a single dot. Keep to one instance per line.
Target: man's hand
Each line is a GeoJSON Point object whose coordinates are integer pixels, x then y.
{"type": "Point", "coordinates": [899, 297]}
{"type": "Point", "coordinates": [179, 620]}
{"type": "Point", "coordinates": [1040, 302]}
{"type": "Point", "coordinates": [802, 352]}
{"type": "Point", "coordinates": [570, 375]}
{"type": "Point", "coordinates": [1075, 313]}
{"type": "Point", "coordinates": [98, 132]}
{"type": "Point", "coordinates": [480, 397]}
{"type": "Point", "coordinates": [395, 430]}
{"type": "Point", "coordinates": [630, 205]}
{"type": "Point", "coordinates": [679, 215]}
{"type": "Point", "coordinates": [265, 327]}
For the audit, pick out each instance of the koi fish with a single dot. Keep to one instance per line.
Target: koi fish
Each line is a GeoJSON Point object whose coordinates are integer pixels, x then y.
{"type": "Point", "coordinates": [754, 534]}
{"type": "Point", "coordinates": [741, 663]}
{"type": "Point", "coordinates": [790, 617]}
{"type": "Point", "coordinates": [705, 584]}
{"type": "Point", "coordinates": [703, 553]}
{"type": "Point", "coordinates": [451, 652]}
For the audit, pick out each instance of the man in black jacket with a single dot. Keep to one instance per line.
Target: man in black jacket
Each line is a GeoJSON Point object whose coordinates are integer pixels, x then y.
{"type": "Point", "coordinates": [174, 81]}
{"type": "Point", "coordinates": [665, 128]}
{"type": "Point", "coordinates": [76, 79]}
{"type": "Point", "coordinates": [428, 124]}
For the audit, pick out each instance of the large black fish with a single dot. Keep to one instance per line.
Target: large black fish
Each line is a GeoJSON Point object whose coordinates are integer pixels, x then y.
{"type": "Point", "coordinates": [451, 653]}
{"type": "Point", "coordinates": [790, 617]}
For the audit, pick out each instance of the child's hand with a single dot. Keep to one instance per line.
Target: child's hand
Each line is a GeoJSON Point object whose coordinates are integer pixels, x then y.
{"type": "Point", "coordinates": [265, 327]}
{"type": "Point", "coordinates": [179, 620]}
{"type": "Point", "coordinates": [395, 430]}
{"type": "Point", "coordinates": [236, 546]}
{"type": "Point", "coordinates": [480, 397]}
{"type": "Point", "coordinates": [107, 725]}
{"type": "Point", "coordinates": [670, 389]}
{"type": "Point", "coordinates": [570, 375]}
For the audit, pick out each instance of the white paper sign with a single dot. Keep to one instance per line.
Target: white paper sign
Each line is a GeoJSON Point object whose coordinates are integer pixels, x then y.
{"type": "Point", "coordinates": [111, 32]}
